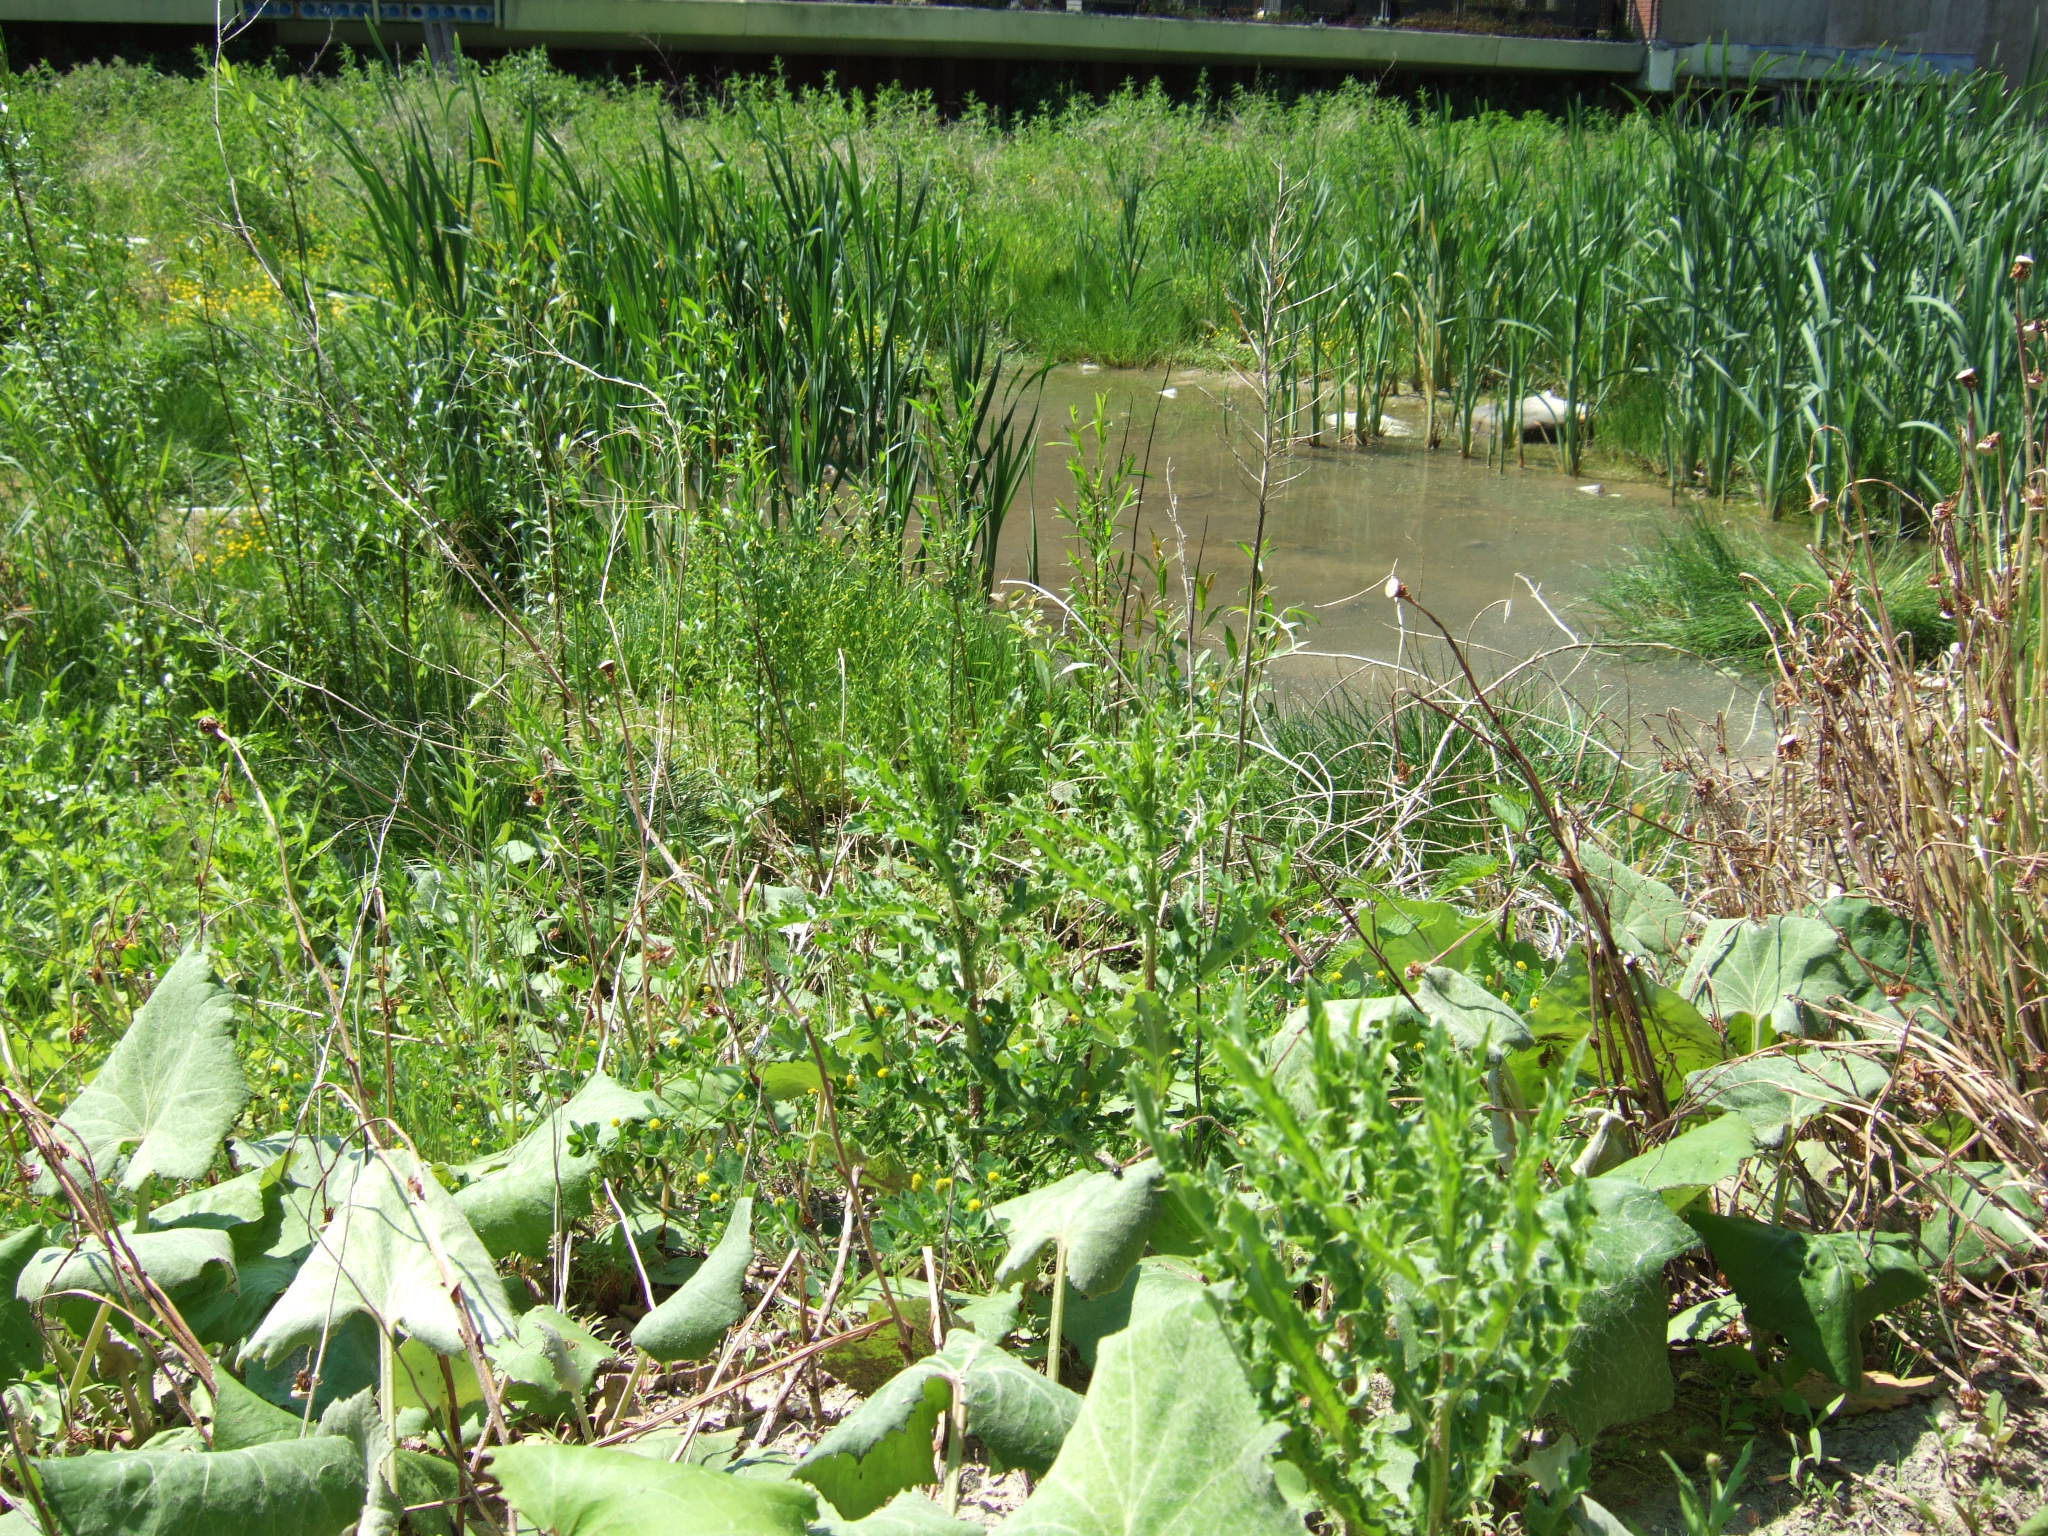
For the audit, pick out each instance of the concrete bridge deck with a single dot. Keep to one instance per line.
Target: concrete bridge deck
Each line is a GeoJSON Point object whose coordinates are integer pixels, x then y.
{"type": "Point", "coordinates": [833, 27]}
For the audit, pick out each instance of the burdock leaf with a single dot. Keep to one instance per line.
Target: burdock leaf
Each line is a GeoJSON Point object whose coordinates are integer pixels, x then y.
{"type": "Point", "coordinates": [397, 1250]}
{"type": "Point", "coordinates": [1693, 1160]}
{"type": "Point", "coordinates": [1767, 970]}
{"type": "Point", "coordinates": [1099, 1219]}
{"type": "Point", "coordinates": [692, 1322]}
{"type": "Point", "coordinates": [908, 1514]}
{"type": "Point", "coordinates": [185, 1262]}
{"type": "Point", "coordinates": [1817, 1289]}
{"type": "Point", "coordinates": [885, 1446]}
{"type": "Point", "coordinates": [1646, 915]}
{"type": "Point", "coordinates": [310, 1487]}
{"type": "Point", "coordinates": [1618, 1364]}
{"type": "Point", "coordinates": [21, 1342]}
{"type": "Point", "coordinates": [1170, 1442]}
{"type": "Point", "coordinates": [519, 1199]}
{"type": "Point", "coordinates": [171, 1087]}
{"type": "Point", "coordinates": [1777, 1093]}
{"type": "Point", "coordinates": [578, 1490]}
{"type": "Point", "coordinates": [1153, 1285]}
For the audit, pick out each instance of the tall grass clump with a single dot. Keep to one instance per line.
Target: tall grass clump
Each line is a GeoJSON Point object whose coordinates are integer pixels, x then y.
{"type": "Point", "coordinates": [1724, 592]}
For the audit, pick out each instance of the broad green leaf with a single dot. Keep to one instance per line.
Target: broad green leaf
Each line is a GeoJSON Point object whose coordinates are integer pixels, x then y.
{"type": "Point", "coordinates": [1765, 970]}
{"type": "Point", "coordinates": [188, 1265]}
{"type": "Point", "coordinates": [993, 1316]}
{"type": "Point", "coordinates": [398, 1250]}
{"type": "Point", "coordinates": [21, 1342]}
{"type": "Point", "coordinates": [1647, 917]}
{"type": "Point", "coordinates": [782, 1080]}
{"type": "Point", "coordinates": [1777, 1093]}
{"type": "Point", "coordinates": [310, 1487]}
{"type": "Point", "coordinates": [1618, 1366]}
{"type": "Point", "coordinates": [578, 1490]}
{"type": "Point", "coordinates": [550, 1361]}
{"type": "Point", "coordinates": [171, 1087]}
{"type": "Point", "coordinates": [518, 1200]}
{"type": "Point", "coordinates": [885, 1446]}
{"type": "Point", "coordinates": [1817, 1289]}
{"type": "Point", "coordinates": [1473, 1017]}
{"type": "Point", "coordinates": [1153, 1285]}
{"type": "Point", "coordinates": [1693, 1160]}
{"type": "Point", "coordinates": [1883, 950]}
{"type": "Point", "coordinates": [1351, 1021]}
{"type": "Point", "coordinates": [1987, 1212]}
{"type": "Point", "coordinates": [1408, 932]}
{"type": "Point", "coordinates": [1098, 1219]}
{"type": "Point", "coordinates": [1170, 1442]}
{"type": "Point", "coordinates": [241, 1419]}
{"type": "Point", "coordinates": [693, 1321]}
{"type": "Point", "coordinates": [908, 1514]}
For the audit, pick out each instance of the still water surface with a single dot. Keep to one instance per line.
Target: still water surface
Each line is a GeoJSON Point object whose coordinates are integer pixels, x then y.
{"type": "Point", "coordinates": [1508, 560]}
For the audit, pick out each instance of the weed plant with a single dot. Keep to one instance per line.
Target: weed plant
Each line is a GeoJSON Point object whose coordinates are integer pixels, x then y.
{"type": "Point", "coordinates": [547, 909]}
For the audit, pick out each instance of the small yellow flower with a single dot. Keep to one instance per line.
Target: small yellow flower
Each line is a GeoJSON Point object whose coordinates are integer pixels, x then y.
{"type": "Point", "coordinates": [1521, 965]}
{"type": "Point", "coordinates": [942, 1186]}
{"type": "Point", "coordinates": [881, 1071]}
{"type": "Point", "coordinates": [1535, 1002]}
{"type": "Point", "coordinates": [703, 1179]}
{"type": "Point", "coordinates": [615, 1122]}
{"type": "Point", "coordinates": [916, 1182]}
{"type": "Point", "coordinates": [974, 1204]}
{"type": "Point", "coordinates": [654, 1124]}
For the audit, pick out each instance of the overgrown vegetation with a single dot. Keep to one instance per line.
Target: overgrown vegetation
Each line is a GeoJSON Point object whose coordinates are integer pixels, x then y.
{"type": "Point", "coordinates": [568, 967]}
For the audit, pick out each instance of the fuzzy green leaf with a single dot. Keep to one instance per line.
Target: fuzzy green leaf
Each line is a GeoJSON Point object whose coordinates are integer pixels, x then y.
{"type": "Point", "coordinates": [1817, 1289]}
{"type": "Point", "coordinates": [1766, 971]}
{"type": "Point", "coordinates": [518, 1200]}
{"type": "Point", "coordinates": [189, 1265]}
{"type": "Point", "coordinates": [693, 1321]}
{"type": "Point", "coordinates": [1777, 1093]}
{"type": "Point", "coordinates": [908, 1514]}
{"type": "Point", "coordinates": [1618, 1365]}
{"type": "Point", "coordinates": [171, 1088]}
{"type": "Point", "coordinates": [397, 1250]}
{"type": "Point", "coordinates": [1100, 1220]}
{"type": "Point", "coordinates": [578, 1490]}
{"type": "Point", "coordinates": [310, 1487]}
{"type": "Point", "coordinates": [1170, 1442]}
{"type": "Point", "coordinates": [885, 1446]}
{"type": "Point", "coordinates": [1647, 916]}
{"type": "Point", "coordinates": [1693, 1160]}
{"type": "Point", "coordinates": [1153, 1285]}
{"type": "Point", "coordinates": [551, 1360]}
{"type": "Point", "coordinates": [21, 1342]}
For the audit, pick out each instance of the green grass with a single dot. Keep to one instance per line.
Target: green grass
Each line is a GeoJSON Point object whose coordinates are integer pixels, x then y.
{"type": "Point", "coordinates": [1720, 592]}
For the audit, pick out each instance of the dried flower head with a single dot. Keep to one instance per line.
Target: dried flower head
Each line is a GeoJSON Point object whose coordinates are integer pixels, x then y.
{"type": "Point", "coordinates": [1969, 378]}
{"type": "Point", "coordinates": [2022, 268]}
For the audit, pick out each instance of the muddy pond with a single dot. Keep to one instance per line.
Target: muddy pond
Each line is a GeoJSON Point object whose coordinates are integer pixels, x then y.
{"type": "Point", "coordinates": [1509, 560]}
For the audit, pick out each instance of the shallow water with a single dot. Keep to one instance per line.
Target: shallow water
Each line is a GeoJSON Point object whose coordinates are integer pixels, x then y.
{"type": "Point", "coordinates": [1507, 560]}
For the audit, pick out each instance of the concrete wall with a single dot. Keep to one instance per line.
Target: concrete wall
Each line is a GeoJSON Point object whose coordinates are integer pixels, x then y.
{"type": "Point", "coordinates": [2000, 31]}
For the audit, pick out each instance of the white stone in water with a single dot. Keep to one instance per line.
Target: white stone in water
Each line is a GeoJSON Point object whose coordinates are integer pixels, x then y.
{"type": "Point", "coordinates": [1171, 392]}
{"type": "Point", "coordinates": [1541, 415]}
{"type": "Point", "coordinates": [1595, 489]}
{"type": "Point", "coordinates": [1091, 367]}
